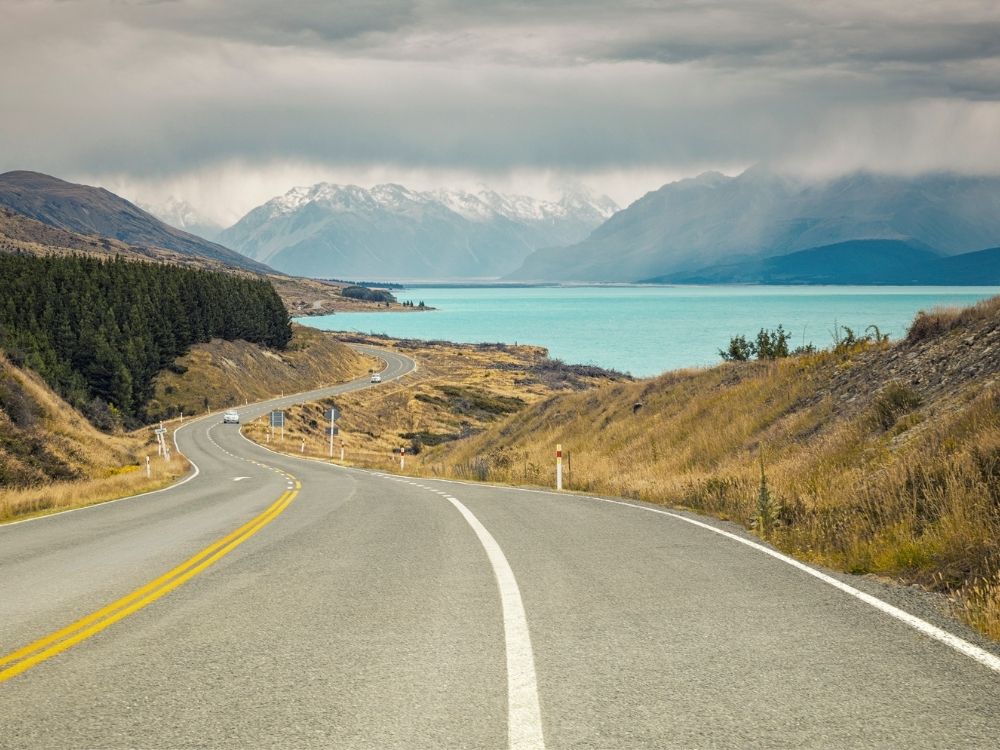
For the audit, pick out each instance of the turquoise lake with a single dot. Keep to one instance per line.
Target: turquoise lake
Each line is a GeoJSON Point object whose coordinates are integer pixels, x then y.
{"type": "Point", "coordinates": [646, 330]}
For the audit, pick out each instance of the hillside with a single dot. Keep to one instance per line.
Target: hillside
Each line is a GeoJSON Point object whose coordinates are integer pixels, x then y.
{"type": "Point", "coordinates": [219, 373]}
{"type": "Point", "coordinates": [393, 232]}
{"type": "Point", "coordinates": [96, 211]}
{"type": "Point", "coordinates": [51, 457]}
{"type": "Point", "coordinates": [99, 330]}
{"type": "Point", "coordinates": [879, 458]}
{"type": "Point", "coordinates": [713, 219]}
{"type": "Point", "coordinates": [457, 390]}
{"type": "Point", "coordinates": [853, 262]}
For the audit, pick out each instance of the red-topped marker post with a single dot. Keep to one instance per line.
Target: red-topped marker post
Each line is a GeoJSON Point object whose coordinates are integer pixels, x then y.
{"type": "Point", "coordinates": [559, 466]}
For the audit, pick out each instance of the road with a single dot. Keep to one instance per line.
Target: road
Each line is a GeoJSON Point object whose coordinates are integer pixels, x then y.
{"type": "Point", "coordinates": [305, 605]}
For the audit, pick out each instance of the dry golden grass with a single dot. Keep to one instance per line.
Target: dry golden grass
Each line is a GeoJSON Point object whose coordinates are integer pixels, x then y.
{"type": "Point", "coordinates": [458, 390]}
{"type": "Point", "coordinates": [229, 373]}
{"type": "Point", "coordinates": [18, 504]}
{"type": "Point", "coordinates": [44, 440]}
{"type": "Point", "coordinates": [944, 319]}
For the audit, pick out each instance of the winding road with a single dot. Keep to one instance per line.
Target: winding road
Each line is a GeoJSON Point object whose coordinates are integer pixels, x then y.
{"type": "Point", "coordinates": [271, 601]}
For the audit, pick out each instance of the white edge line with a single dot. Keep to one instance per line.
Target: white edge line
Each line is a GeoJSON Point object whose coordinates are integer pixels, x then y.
{"type": "Point", "coordinates": [980, 655]}
{"type": "Point", "coordinates": [962, 646]}
{"type": "Point", "coordinates": [191, 475]}
{"type": "Point", "coordinates": [524, 716]}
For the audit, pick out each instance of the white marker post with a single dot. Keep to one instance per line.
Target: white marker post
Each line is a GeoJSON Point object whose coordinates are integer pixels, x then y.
{"type": "Point", "coordinates": [161, 443]}
{"type": "Point", "coordinates": [559, 466]}
{"type": "Point", "coordinates": [341, 450]}
{"type": "Point", "coordinates": [303, 450]}
{"type": "Point", "coordinates": [402, 458]}
{"type": "Point", "coordinates": [149, 471]}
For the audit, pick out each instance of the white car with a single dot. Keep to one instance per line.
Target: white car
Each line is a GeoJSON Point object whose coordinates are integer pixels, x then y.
{"type": "Point", "coordinates": [376, 378]}
{"type": "Point", "coordinates": [230, 417]}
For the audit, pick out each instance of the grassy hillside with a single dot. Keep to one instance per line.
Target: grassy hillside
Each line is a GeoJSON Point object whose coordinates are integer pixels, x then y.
{"type": "Point", "coordinates": [227, 373]}
{"type": "Point", "coordinates": [877, 458]}
{"type": "Point", "coordinates": [52, 458]}
{"type": "Point", "coordinates": [458, 390]}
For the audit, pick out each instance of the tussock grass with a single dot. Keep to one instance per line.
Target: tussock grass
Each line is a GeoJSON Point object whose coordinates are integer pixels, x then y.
{"type": "Point", "coordinates": [941, 320]}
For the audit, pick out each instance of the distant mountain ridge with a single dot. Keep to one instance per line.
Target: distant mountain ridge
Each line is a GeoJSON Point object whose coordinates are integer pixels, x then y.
{"type": "Point", "coordinates": [857, 262]}
{"type": "Point", "coordinates": [96, 211]}
{"type": "Point", "coordinates": [391, 231]}
{"type": "Point", "coordinates": [691, 225]}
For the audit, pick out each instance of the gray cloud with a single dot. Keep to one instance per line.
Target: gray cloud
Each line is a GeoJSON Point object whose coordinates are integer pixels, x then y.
{"type": "Point", "coordinates": [153, 91]}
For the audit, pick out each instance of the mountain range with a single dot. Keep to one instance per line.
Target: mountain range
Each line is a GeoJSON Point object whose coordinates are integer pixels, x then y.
{"type": "Point", "coordinates": [390, 231]}
{"type": "Point", "coordinates": [859, 262]}
{"type": "Point", "coordinates": [758, 227]}
{"type": "Point", "coordinates": [95, 211]}
{"type": "Point", "coordinates": [685, 228]}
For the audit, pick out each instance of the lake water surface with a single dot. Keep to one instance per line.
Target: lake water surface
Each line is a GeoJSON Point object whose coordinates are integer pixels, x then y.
{"type": "Point", "coordinates": [646, 330]}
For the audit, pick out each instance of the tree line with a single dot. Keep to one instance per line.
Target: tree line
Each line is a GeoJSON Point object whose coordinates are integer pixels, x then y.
{"type": "Point", "coordinates": [99, 330]}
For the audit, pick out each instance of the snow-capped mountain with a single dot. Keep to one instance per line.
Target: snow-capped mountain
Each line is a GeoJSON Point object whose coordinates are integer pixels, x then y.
{"type": "Point", "coordinates": [182, 215]}
{"type": "Point", "coordinates": [389, 231]}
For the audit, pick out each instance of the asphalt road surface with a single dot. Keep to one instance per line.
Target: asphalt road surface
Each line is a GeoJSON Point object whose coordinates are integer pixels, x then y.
{"type": "Point", "coordinates": [271, 601]}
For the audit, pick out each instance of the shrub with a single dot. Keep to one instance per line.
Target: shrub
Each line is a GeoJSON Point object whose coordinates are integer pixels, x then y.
{"type": "Point", "coordinates": [366, 294]}
{"type": "Point", "coordinates": [768, 345]}
{"type": "Point", "coordinates": [740, 350]}
{"type": "Point", "coordinates": [772, 344]}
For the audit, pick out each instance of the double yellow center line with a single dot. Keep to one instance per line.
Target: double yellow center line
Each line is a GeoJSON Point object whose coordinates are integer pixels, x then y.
{"type": "Point", "coordinates": [55, 643]}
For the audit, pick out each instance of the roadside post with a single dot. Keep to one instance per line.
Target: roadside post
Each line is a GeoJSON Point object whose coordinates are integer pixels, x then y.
{"type": "Point", "coordinates": [161, 443]}
{"type": "Point", "coordinates": [149, 472]}
{"type": "Point", "coordinates": [333, 414]}
{"type": "Point", "coordinates": [559, 466]}
{"type": "Point", "coordinates": [402, 458]}
{"type": "Point", "coordinates": [303, 448]}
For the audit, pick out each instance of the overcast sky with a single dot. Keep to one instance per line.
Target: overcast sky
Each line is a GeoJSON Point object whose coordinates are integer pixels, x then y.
{"type": "Point", "coordinates": [226, 103]}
